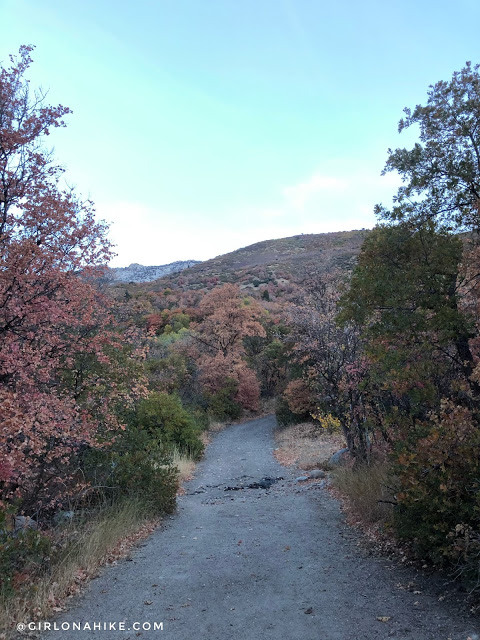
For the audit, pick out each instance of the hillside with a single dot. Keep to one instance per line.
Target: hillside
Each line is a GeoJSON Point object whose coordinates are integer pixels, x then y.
{"type": "Point", "coordinates": [278, 262]}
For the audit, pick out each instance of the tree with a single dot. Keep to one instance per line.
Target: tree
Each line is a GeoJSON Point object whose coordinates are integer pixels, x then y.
{"type": "Point", "coordinates": [330, 358]}
{"type": "Point", "coordinates": [441, 174]}
{"type": "Point", "coordinates": [404, 293]}
{"type": "Point", "coordinates": [226, 320]}
{"type": "Point", "coordinates": [57, 344]}
{"type": "Point", "coordinates": [406, 284]}
{"type": "Point", "coordinates": [408, 293]}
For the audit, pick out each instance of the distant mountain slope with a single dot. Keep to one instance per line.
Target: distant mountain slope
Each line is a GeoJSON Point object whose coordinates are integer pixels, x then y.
{"type": "Point", "coordinates": [277, 261]}
{"type": "Point", "coordinates": [140, 273]}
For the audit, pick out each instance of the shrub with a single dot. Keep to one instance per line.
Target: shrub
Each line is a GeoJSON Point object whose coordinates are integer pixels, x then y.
{"type": "Point", "coordinates": [135, 466]}
{"type": "Point", "coordinates": [327, 422]}
{"type": "Point", "coordinates": [222, 404]}
{"type": "Point", "coordinates": [22, 554]}
{"type": "Point", "coordinates": [167, 421]}
{"type": "Point", "coordinates": [439, 474]}
{"type": "Point", "coordinates": [299, 398]}
{"type": "Point", "coordinates": [285, 416]}
{"type": "Point", "coordinates": [142, 475]}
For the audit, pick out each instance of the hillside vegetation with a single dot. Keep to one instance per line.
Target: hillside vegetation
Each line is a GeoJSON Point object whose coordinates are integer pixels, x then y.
{"type": "Point", "coordinates": [268, 264]}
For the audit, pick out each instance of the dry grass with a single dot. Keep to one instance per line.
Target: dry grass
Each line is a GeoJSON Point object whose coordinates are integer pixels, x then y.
{"type": "Point", "coordinates": [366, 492]}
{"type": "Point", "coordinates": [101, 540]}
{"type": "Point", "coordinates": [185, 465]}
{"type": "Point", "coordinates": [305, 446]}
{"type": "Point", "coordinates": [215, 426]}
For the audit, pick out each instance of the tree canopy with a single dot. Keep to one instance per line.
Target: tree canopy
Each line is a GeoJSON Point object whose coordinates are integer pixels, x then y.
{"type": "Point", "coordinates": [441, 174]}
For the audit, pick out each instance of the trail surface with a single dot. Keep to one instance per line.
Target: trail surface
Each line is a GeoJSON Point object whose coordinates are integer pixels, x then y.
{"type": "Point", "coordinates": [258, 564]}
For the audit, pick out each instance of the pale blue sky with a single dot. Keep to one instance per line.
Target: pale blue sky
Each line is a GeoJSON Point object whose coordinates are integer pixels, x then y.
{"type": "Point", "coordinates": [200, 126]}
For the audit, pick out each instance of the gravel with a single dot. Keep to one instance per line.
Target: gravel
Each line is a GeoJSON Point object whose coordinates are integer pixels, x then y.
{"type": "Point", "coordinates": [251, 563]}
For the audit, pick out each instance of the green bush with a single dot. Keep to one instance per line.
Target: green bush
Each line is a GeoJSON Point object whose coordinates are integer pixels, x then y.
{"type": "Point", "coordinates": [165, 419]}
{"type": "Point", "coordinates": [200, 415]}
{"type": "Point", "coordinates": [135, 466]}
{"type": "Point", "coordinates": [140, 474]}
{"type": "Point", "coordinates": [222, 404]}
{"type": "Point", "coordinates": [439, 494]}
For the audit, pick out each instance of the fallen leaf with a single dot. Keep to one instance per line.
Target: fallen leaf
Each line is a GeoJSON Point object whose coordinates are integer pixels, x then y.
{"type": "Point", "coordinates": [148, 602]}
{"type": "Point", "coordinates": [383, 618]}
{"type": "Point", "coordinates": [287, 548]}
{"type": "Point", "coordinates": [309, 610]}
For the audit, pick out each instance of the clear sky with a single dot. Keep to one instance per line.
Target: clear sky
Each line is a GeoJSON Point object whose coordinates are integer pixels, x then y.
{"type": "Point", "coordinates": [201, 126]}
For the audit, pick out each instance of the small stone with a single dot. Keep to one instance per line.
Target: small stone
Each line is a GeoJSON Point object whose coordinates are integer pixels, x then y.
{"type": "Point", "coordinates": [301, 479]}
{"type": "Point", "coordinates": [317, 474]}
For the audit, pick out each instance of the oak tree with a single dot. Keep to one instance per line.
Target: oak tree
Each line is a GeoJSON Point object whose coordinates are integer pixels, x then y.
{"type": "Point", "coordinates": [57, 349]}
{"type": "Point", "coordinates": [441, 173]}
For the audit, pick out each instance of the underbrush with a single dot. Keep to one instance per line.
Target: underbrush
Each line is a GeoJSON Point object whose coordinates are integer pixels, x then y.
{"type": "Point", "coordinates": [368, 492]}
{"type": "Point", "coordinates": [307, 445]}
{"type": "Point", "coordinates": [74, 550]}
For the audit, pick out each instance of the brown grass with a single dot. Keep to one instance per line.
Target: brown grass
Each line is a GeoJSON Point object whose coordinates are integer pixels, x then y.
{"type": "Point", "coordinates": [366, 493]}
{"type": "Point", "coordinates": [102, 540]}
{"type": "Point", "coordinates": [305, 446]}
{"type": "Point", "coordinates": [185, 465]}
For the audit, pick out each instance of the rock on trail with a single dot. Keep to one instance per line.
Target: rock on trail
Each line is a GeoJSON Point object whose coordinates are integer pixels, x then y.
{"type": "Point", "coordinates": [252, 554]}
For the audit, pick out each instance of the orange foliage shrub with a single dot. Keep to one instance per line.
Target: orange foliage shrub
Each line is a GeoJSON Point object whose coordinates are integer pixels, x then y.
{"type": "Point", "coordinates": [299, 397]}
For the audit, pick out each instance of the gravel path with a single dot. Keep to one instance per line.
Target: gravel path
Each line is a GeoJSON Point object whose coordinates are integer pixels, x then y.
{"type": "Point", "coordinates": [259, 564]}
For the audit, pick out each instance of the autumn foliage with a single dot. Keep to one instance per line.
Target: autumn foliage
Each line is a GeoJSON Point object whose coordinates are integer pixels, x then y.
{"type": "Point", "coordinates": [57, 365]}
{"type": "Point", "coordinates": [226, 320]}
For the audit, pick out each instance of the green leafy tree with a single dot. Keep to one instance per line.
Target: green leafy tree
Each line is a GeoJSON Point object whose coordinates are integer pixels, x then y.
{"type": "Point", "coordinates": [441, 174]}
{"type": "Point", "coordinates": [406, 288]}
{"type": "Point", "coordinates": [405, 294]}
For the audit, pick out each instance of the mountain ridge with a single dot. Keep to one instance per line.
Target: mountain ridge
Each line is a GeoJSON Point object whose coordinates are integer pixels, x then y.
{"type": "Point", "coordinates": [147, 273]}
{"type": "Point", "coordinates": [266, 263]}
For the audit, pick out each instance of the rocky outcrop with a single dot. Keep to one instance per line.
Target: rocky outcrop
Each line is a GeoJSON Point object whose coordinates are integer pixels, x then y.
{"type": "Point", "coordinates": [140, 273]}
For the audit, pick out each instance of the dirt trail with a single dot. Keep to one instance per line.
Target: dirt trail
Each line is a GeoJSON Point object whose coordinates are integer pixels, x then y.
{"type": "Point", "coordinates": [257, 563]}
